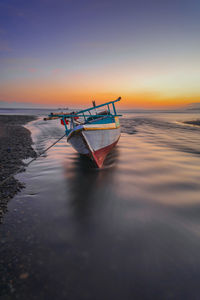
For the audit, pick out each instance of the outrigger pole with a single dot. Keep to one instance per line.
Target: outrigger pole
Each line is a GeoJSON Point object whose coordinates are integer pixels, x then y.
{"type": "Point", "coordinates": [85, 113]}
{"type": "Point", "coordinates": [81, 113]}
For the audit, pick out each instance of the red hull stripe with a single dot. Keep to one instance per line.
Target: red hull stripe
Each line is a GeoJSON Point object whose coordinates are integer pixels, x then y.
{"type": "Point", "coordinates": [100, 155]}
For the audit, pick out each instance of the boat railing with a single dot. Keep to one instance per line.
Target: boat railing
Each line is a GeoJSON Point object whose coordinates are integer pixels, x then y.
{"type": "Point", "coordinates": [85, 113]}
{"type": "Point", "coordinates": [94, 107]}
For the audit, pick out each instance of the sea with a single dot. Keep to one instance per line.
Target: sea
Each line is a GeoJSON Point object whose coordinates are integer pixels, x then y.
{"type": "Point", "coordinates": [130, 230]}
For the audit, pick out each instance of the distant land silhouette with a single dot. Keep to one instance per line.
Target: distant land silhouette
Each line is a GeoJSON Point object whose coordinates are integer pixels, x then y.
{"type": "Point", "coordinates": [193, 106]}
{"type": "Point", "coordinates": [14, 104]}
{"type": "Point", "coordinates": [25, 105]}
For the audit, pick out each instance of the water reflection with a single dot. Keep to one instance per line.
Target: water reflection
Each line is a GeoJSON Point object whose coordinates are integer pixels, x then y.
{"type": "Point", "coordinates": [87, 184]}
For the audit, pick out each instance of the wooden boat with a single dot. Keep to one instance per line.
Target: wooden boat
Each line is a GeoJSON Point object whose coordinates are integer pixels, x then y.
{"type": "Point", "coordinates": [92, 132]}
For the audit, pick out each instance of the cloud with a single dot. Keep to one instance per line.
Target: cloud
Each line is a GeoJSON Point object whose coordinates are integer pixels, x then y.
{"type": "Point", "coordinates": [56, 71]}
{"type": "Point", "coordinates": [22, 61]}
{"type": "Point", "coordinates": [4, 47]}
{"type": "Point", "coordinates": [11, 10]}
{"type": "Point", "coordinates": [32, 70]}
{"type": "Point", "coordinates": [2, 31]}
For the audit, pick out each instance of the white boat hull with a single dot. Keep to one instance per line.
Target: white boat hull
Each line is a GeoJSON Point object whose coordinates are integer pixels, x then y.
{"type": "Point", "coordinates": [95, 142]}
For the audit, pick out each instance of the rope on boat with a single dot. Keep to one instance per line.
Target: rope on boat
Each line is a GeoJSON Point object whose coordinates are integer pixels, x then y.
{"type": "Point", "coordinates": [26, 165]}
{"type": "Point", "coordinates": [45, 150]}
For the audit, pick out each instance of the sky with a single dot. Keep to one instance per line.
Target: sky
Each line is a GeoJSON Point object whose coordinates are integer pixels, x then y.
{"type": "Point", "coordinates": [69, 52]}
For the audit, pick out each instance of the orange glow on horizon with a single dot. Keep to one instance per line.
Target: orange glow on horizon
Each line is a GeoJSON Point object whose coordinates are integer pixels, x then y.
{"type": "Point", "coordinates": [55, 95]}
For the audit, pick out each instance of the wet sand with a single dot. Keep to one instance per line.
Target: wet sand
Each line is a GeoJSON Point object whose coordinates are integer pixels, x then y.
{"type": "Point", "coordinates": [15, 145]}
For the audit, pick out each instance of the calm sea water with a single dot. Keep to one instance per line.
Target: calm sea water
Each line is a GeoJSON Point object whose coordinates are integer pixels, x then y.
{"type": "Point", "coordinates": [128, 231]}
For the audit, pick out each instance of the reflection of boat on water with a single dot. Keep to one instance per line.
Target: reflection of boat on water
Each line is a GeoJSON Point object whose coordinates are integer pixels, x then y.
{"type": "Point", "coordinates": [87, 188]}
{"type": "Point", "coordinates": [92, 132]}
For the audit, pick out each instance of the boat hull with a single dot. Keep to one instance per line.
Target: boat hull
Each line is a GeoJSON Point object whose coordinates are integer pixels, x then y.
{"type": "Point", "coordinates": [95, 142]}
{"type": "Point", "coordinates": [100, 155]}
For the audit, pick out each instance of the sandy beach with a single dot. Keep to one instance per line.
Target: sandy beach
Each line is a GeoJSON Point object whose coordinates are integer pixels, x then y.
{"type": "Point", "coordinates": [15, 145]}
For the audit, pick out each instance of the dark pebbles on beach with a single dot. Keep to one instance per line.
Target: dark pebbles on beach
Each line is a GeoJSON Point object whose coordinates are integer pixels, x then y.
{"type": "Point", "coordinates": [15, 145]}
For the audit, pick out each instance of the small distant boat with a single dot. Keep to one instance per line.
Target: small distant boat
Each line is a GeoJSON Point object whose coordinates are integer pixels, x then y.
{"type": "Point", "coordinates": [92, 132]}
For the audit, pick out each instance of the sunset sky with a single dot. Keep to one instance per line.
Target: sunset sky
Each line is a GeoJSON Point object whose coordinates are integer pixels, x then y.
{"type": "Point", "coordinates": [68, 52]}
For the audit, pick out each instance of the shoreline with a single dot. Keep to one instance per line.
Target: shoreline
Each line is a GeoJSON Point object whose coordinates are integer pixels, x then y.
{"type": "Point", "coordinates": [15, 145]}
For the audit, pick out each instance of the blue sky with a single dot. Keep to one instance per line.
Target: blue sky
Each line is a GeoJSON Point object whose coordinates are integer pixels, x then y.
{"type": "Point", "coordinates": [74, 48]}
